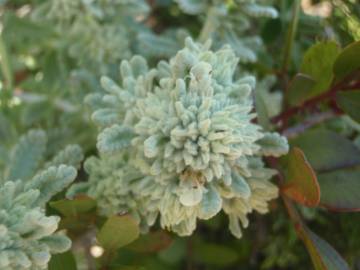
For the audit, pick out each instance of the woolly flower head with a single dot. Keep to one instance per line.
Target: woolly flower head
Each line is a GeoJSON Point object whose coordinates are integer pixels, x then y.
{"type": "Point", "coordinates": [188, 126]}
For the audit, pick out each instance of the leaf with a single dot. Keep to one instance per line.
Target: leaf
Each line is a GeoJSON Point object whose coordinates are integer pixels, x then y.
{"type": "Point", "coordinates": [349, 101]}
{"type": "Point", "coordinates": [273, 144]}
{"type": "Point", "coordinates": [301, 182]}
{"type": "Point", "coordinates": [22, 33]}
{"type": "Point", "coordinates": [300, 88]}
{"type": "Point", "coordinates": [118, 231]}
{"type": "Point", "coordinates": [327, 150]}
{"type": "Point", "coordinates": [262, 114]}
{"type": "Point", "coordinates": [340, 190]}
{"type": "Point", "coordinates": [151, 242]}
{"type": "Point", "coordinates": [72, 155]}
{"type": "Point", "coordinates": [323, 256]}
{"type": "Point", "coordinates": [27, 155]}
{"type": "Point", "coordinates": [51, 181]}
{"type": "Point", "coordinates": [318, 63]}
{"type": "Point", "coordinates": [347, 61]}
{"type": "Point", "coordinates": [214, 254]}
{"type": "Point", "coordinates": [114, 138]}
{"type": "Point", "coordinates": [62, 261]}
{"type": "Point", "coordinates": [72, 208]}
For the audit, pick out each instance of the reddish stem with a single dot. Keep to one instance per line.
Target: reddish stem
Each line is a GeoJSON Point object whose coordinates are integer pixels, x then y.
{"type": "Point", "coordinates": [313, 102]}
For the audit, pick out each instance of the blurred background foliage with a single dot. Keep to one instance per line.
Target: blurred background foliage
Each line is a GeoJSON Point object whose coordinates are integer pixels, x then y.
{"type": "Point", "coordinates": [50, 59]}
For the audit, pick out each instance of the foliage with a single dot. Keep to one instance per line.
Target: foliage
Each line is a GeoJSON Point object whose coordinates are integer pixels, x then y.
{"type": "Point", "coordinates": [217, 109]}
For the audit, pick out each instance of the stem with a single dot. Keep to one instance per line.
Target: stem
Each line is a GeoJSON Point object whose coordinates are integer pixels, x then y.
{"type": "Point", "coordinates": [291, 36]}
{"type": "Point", "coordinates": [307, 123]}
{"type": "Point", "coordinates": [313, 102]}
{"type": "Point", "coordinates": [210, 25]}
{"type": "Point", "coordinates": [5, 65]}
{"type": "Point", "coordinates": [189, 253]}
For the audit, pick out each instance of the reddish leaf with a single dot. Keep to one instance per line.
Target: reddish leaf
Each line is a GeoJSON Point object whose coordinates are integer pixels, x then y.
{"type": "Point", "coordinates": [301, 182]}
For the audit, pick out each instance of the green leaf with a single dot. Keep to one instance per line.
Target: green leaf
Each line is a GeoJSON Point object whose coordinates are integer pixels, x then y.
{"type": "Point", "coordinates": [318, 63]}
{"type": "Point", "coordinates": [262, 114]}
{"type": "Point", "coordinates": [151, 242]}
{"type": "Point", "coordinates": [214, 254]}
{"type": "Point", "coordinates": [300, 88]}
{"type": "Point", "coordinates": [349, 101]}
{"type": "Point", "coordinates": [72, 208]}
{"type": "Point", "coordinates": [327, 150]}
{"type": "Point", "coordinates": [118, 231]}
{"type": "Point", "coordinates": [27, 155]}
{"type": "Point", "coordinates": [301, 182]}
{"type": "Point", "coordinates": [22, 33]}
{"type": "Point", "coordinates": [323, 256]}
{"type": "Point", "coordinates": [340, 190]}
{"type": "Point", "coordinates": [347, 61]}
{"type": "Point", "coordinates": [62, 261]}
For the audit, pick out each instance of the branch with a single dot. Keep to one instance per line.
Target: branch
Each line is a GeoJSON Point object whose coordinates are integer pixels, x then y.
{"type": "Point", "coordinates": [308, 123]}
{"type": "Point", "coordinates": [313, 102]}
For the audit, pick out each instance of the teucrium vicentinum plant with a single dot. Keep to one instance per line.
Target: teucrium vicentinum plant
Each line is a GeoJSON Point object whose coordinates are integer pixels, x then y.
{"type": "Point", "coordinates": [193, 132]}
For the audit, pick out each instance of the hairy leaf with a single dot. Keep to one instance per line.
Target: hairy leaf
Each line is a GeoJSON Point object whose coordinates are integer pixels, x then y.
{"type": "Point", "coordinates": [114, 138]}
{"type": "Point", "coordinates": [51, 181]}
{"type": "Point", "coordinates": [27, 155]}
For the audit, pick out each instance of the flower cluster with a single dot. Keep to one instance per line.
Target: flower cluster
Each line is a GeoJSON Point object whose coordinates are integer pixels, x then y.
{"type": "Point", "coordinates": [187, 131]}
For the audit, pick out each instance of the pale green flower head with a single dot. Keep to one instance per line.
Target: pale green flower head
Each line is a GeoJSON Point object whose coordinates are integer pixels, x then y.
{"type": "Point", "coordinates": [188, 127]}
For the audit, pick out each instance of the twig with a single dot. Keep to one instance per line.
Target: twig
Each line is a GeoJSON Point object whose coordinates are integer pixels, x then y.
{"type": "Point", "coordinates": [210, 24]}
{"type": "Point", "coordinates": [308, 123]}
{"type": "Point", "coordinates": [189, 259]}
{"type": "Point", "coordinates": [313, 102]}
{"type": "Point", "coordinates": [291, 35]}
